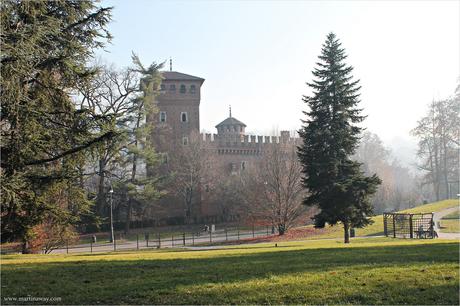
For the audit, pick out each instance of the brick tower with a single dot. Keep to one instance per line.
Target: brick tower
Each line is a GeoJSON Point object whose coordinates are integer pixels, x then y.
{"type": "Point", "coordinates": [178, 110]}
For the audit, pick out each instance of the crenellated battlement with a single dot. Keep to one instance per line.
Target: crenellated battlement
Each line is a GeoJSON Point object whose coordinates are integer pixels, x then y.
{"type": "Point", "coordinates": [247, 141]}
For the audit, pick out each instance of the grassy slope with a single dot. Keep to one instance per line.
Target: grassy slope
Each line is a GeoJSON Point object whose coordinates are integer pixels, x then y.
{"type": "Point", "coordinates": [369, 271]}
{"type": "Point", "coordinates": [377, 227]}
{"type": "Point", "coordinates": [451, 222]}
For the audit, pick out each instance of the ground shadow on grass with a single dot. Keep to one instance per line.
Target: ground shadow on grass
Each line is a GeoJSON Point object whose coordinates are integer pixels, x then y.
{"type": "Point", "coordinates": [144, 280]}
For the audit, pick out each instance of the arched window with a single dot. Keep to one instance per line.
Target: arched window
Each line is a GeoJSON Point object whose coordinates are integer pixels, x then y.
{"type": "Point", "coordinates": [183, 117]}
{"type": "Point", "coordinates": [192, 89]}
{"type": "Point", "coordinates": [182, 89]}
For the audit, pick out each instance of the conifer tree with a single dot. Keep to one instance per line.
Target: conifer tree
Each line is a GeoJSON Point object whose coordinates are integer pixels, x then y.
{"type": "Point", "coordinates": [142, 189]}
{"type": "Point", "coordinates": [45, 48]}
{"type": "Point", "coordinates": [334, 182]}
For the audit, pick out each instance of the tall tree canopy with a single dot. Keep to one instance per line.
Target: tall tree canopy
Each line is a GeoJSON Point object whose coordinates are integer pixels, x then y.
{"type": "Point", "coordinates": [438, 136]}
{"type": "Point", "coordinates": [335, 183]}
{"type": "Point", "coordinates": [45, 48]}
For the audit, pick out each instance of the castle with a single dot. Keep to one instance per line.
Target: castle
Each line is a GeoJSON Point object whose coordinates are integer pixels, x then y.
{"type": "Point", "coordinates": [178, 117]}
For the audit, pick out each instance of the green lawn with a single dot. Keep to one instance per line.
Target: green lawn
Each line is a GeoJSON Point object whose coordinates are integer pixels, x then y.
{"type": "Point", "coordinates": [376, 228]}
{"type": "Point", "coordinates": [368, 271]}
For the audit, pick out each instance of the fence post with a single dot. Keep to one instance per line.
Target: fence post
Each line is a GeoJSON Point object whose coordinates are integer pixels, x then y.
{"type": "Point", "coordinates": [193, 239]}
{"type": "Point", "coordinates": [385, 231]}
{"type": "Point", "coordinates": [137, 241]}
{"type": "Point", "coordinates": [432, 225]}
{"type": "Point", "coordinates": [159, 240]}
{"type": "Point", "coordinates": [210, 236]}
{"type": "Point", "coordinates": [394, 227]}
{"type": "Point", "coordinates": [411, 228]}
{"type": "Point", "coordinates": [172, 240]}
{"type": "Point", "coordinates": [238, 233]}
{"type": "Point", "coordinates": [226, 236]}
{"type": "Point", "coordinates": [253, 230]}
{"type": "Point", "coordinates": [183, 238]}
{"type": "Point", "coordinates": [67, 246]}
{"type": "Point", "coordinates": [91, 245]}
{"type": "Point", "coordinates": [267, 230]}
{"type": "Point", "coordinates": [147, 240]}
{"type": "Point", "coordinates": [114, 242]}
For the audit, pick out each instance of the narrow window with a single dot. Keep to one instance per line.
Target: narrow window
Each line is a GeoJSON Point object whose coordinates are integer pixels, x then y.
{"type": "Point", "coordinates": [243, 165]}
{"type": "Point", "coordinates": [192, 89]}
{"type": "Point", "coordinates": [185, 140]}
{"type": "Point", "coordinates": [182, 89]}
{"type": "Point", "coordinates": [172, 87]}
{"type": "Point", "coordinates": [183, 117]}
{"type": "Point", "coordinates": [162, 116]}
{"type": "Point", "coordinates": [165, 158]}
{"type": "Point", "coordinates": [233, 168]}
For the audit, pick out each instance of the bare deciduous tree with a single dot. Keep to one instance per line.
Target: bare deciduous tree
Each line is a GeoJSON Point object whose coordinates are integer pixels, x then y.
{"type": "Point", "coordinates": [192, 166]}
{"type": "Point", "coordinates": [438, 135]}
{"type": "Point", "coordinates": [111, 93]}
{"type": "Point", "coordinates": [273, 190]}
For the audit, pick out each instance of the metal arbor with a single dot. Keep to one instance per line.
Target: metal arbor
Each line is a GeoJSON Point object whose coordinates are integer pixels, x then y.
{"type": "Point", "coordinates": [402, 225]}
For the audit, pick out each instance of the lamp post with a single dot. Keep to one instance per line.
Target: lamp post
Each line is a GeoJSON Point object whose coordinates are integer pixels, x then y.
{"type": "Point", "coordinates": [111, 213]}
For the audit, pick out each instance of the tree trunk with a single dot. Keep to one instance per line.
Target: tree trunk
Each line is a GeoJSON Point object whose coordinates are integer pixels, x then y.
{"type": "Point", "coordinates": [437, 178]}
{"type": "Point", "coordinates": [281, 229]}
{"type": "Point", "coordinates": [25, 247]}
{"type": "Point", "coordinates": [445, 170]}
{"type": "Point", "coordinates": [346, 229]}
{"type": "Point", "coordinates": [128, 215]}
{"type": "Point", "coordinates": [188, 205]}
{"type": "Point", "coordinates": [101, 192]}
{"type": "Point", "coordinates": [130, 202]}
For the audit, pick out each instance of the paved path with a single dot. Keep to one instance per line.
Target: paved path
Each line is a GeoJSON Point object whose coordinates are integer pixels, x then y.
{"type": "Point", "coordinates": [204, 237]}
{"type": "Point", "coordinates": [438, 216]}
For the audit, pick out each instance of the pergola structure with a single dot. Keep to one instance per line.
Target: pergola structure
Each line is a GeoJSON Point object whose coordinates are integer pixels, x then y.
{"type": "Point", "coordinates": [400, 225]}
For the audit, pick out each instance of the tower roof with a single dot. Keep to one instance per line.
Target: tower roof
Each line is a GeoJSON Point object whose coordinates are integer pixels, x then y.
{"type": "Point", "coordinates": [179, 76]}
{"type": "Point", "coordinates": [231, 121]}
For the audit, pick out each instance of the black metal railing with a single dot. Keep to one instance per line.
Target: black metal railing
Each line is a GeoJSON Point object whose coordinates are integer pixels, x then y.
{"type": "Point", "coordinates": [149, 240]}
{"type": "Point", "coordinates": [401, 225]}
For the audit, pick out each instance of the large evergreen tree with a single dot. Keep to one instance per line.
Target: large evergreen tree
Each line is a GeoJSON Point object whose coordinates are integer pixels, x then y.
{"type": "Point", "coordinates": [334, 182]}
{"type": "Point", "coordinates": [45, 49]}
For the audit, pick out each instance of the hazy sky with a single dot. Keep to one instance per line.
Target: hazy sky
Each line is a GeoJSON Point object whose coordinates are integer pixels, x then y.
{"type": "Point", "coordinates": [258, 55]}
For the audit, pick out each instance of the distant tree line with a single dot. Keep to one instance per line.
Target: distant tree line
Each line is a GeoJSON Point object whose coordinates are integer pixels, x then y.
{"type": "Point", "coordinates": [400, 188]}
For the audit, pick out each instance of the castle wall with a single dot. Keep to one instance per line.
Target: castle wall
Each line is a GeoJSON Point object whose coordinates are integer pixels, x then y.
{"type": "Point", "coordinates": [232, 150]}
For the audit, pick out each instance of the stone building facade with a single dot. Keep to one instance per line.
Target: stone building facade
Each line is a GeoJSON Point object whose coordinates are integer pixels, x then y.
{"type": "Point", "coordinates": [178, 118]}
